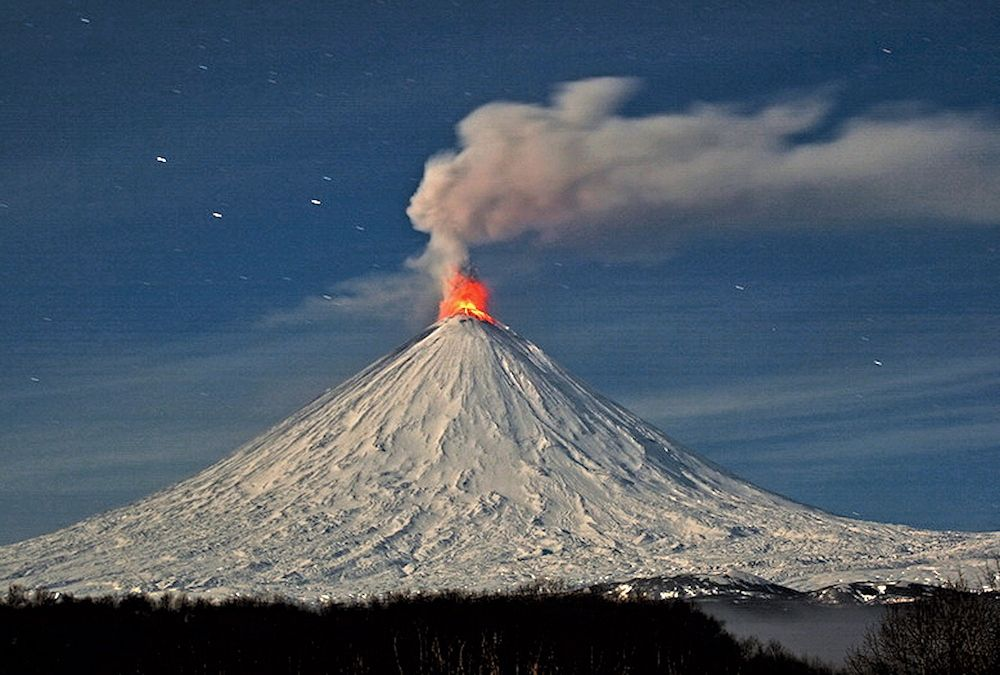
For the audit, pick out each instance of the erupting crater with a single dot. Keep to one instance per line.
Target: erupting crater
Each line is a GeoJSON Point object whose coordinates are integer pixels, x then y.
{"type": "Point", "coordinates": [465, 294]}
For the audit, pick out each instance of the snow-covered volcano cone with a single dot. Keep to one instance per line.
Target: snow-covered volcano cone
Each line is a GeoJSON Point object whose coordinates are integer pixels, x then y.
{"type": "Point", "coordinates": [464, 459]}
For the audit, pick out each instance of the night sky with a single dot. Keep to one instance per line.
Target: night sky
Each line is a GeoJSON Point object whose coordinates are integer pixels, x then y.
{"type": "Point", "coordinates": [203, 226]}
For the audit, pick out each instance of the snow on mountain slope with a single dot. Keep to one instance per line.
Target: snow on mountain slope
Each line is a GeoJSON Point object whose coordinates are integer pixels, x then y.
{"type": "Point", "coordinates": [466, 459]}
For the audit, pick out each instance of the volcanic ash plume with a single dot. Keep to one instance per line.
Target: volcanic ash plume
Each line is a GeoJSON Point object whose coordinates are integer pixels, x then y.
{"type": "Point", "coordinates": [577, 173]}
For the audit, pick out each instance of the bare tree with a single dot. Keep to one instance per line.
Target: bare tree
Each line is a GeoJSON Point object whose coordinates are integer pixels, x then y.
{"type": "Point", "coordinates": [956, 631]}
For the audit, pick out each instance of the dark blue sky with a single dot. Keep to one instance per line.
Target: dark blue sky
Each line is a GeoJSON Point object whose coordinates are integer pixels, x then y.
{"type": "Point", "coordinates": [143, 338]}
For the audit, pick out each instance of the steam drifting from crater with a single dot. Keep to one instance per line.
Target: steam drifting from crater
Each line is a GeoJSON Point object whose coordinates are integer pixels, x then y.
{"type": "Point", "coordinates": [576, 173]}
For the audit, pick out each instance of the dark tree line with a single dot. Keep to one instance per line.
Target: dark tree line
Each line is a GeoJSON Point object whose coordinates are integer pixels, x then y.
{"type": "Point", "coordinates": [447, 633]}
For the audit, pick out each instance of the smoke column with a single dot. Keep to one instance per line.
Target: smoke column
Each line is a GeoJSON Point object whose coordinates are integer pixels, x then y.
{"type": "Point", "coordinates": [577, 173]}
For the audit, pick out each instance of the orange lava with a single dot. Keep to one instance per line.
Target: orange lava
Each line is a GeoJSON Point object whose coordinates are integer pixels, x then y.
{"type": "Point", "coordinates": [464, 294]}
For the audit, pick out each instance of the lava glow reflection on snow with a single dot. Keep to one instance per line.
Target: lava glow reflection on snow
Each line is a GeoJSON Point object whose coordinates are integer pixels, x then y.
{"type": "Point", "coordinates": [464, 294]}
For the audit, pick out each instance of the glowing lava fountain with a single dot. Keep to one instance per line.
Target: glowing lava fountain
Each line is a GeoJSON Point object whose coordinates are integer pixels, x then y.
{"type": "Point", "coordinates": [465, 294]}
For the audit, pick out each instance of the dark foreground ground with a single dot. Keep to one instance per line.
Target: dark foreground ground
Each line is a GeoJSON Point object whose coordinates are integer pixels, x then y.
{"type": "Point", "coordinates": [517, 633]}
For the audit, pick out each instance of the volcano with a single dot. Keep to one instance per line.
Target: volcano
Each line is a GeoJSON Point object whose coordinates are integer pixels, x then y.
{"type": "Point", "coordinates": [466, 459]}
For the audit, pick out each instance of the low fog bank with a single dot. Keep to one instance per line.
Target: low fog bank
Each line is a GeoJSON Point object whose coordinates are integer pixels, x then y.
{"type": "Point", "coordinates": [807, 630]}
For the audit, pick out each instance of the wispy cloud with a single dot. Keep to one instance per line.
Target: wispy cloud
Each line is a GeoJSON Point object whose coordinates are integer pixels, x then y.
{"type": "Point", "coordinates": [816, 393]}
{"type": "Point", "coordinates": [837, 415]}
{"type": "Point", "coordinates": [405, 294]}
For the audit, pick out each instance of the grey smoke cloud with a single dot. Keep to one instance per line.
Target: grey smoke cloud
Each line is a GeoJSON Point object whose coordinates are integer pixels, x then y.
{"type": "Point", "coordinates": [577, 173]}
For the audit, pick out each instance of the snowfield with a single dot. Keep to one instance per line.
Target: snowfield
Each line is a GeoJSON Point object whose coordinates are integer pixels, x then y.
{"type": "Point", "coordinates": [468, 459]}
